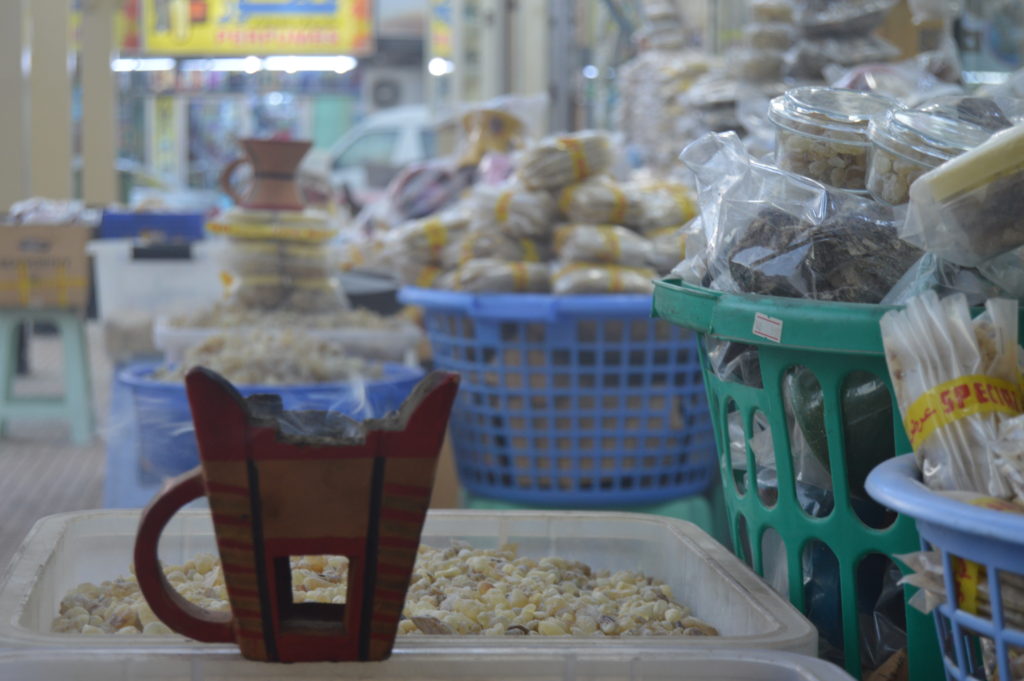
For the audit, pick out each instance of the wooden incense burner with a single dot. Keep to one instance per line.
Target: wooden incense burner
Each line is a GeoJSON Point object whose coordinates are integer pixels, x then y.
{"type": "Point", "coordinates": [284, 484]}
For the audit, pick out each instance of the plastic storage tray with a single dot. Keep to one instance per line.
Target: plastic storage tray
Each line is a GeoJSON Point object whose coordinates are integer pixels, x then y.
{"type": "Point", "coordinates": [65, 550]}
{"type": "Point", "coordinates": [387, 345]}
{"type": "Point", "coordinates": [124, 284]}
{"type": "Point", "coordinates": [451, 666]}
{"type": "Point", "coordinates": [182, 226]}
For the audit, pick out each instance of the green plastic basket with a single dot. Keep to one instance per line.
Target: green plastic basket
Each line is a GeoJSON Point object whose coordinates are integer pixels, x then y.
{"type": "Point", "coordinates": [830, 341]}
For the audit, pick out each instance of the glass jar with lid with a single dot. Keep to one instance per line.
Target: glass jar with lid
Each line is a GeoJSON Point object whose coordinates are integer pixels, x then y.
{"type": "Point", "coordinates": [907, 144]}
{"type": "Point", "coordinates": [822, 133]}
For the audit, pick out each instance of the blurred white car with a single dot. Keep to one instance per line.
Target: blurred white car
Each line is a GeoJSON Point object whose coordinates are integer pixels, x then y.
{"type": "Point", "coordinates": [365, 158]}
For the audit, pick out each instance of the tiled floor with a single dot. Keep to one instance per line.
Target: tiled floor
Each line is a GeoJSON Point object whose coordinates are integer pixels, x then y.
{"type": "Point", "coordinates": [40, 471]}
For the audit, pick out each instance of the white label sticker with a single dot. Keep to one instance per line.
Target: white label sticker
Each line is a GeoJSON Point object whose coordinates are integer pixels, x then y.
{"type": "Point", "coordinates": [767, 327]}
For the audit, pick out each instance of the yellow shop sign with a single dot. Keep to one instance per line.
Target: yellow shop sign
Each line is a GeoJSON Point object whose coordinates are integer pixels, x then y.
{"type": "Point", "coordinates": [259, 27]}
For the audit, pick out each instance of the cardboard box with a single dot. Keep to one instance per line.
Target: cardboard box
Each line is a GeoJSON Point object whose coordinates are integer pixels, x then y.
{"type": "Point", "coordinates": [44, 266]}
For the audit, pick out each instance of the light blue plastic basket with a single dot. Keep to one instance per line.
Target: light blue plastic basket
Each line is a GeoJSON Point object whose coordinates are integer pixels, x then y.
{"type": "Point", "coordinates": [992, 539]}
{"type": "Point", "coordinates": [571, 401]}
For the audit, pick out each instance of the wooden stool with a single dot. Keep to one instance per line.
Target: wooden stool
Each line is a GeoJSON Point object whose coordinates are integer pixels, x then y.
{"type": "Point", "coordinates": [75, 405]}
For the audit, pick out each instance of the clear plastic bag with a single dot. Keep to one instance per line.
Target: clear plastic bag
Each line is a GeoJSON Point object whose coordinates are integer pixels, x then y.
{"type": "Point", "coordinates": [560, 161]}
{"type": "Point", "coordinates": [776, 35]}
{"type": "Point", "coordinates": [594, 278]}
{"type": "Point", "coordinates": [607, 244]}
{"type": "Point", "coordinates": [772, 11]}
{"type": "Point", "coordinates": [489, 243]}
{"type": "Point", "coordinates": [910, 81]}
{"type": "Point", "coordinates": [668, 248]}
{"type": "Point", "coordinates": [809, 57]}
{"type": "Point", "coordinates": [942, 362]}
{"type": "Point", "coordinates": [489, 275]}
{"type": "Point", "coordinates": [841, 17]}
{"type": "Point", "coordinates": [984, 112]}
{"type": "Point", "coordinates": [425, 241]}
{"type": "Point", "coordinates": [514, 210]}
{"type": "Point", "coordinates": [932, 273]}
{"type": "Point", "coordinates": [601, 201]}
{"type": "Point", "coordinates": [971, 208]}
{"type": "Point", "coordinates": [775, 233]}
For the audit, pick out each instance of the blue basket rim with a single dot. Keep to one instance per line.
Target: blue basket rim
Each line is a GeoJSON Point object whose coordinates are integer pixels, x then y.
{"type": "Point", "coordinates": [193, 214]}
{"type": "Point", "coordinates": [529, 305]}
{"type": "Point", "coordinates": [896, 483]}
{"type": "Point", "coordinates": [135, 374]}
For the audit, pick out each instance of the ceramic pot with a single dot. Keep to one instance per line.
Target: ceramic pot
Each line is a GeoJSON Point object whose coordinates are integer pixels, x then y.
{"type": "Point", "coordinates": [274, 164]}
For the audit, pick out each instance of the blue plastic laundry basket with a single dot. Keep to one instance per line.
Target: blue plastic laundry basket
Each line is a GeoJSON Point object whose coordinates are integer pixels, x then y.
{"type": "Point", "coordinates": [994, 540]}
{"type": "Point", "coordinates": [163, 421]}
{"type": "Point", "coordinates": [581, 401]}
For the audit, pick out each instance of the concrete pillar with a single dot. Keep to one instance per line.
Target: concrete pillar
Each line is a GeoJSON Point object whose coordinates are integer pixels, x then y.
{"type": "Point", "coordinates": [50, 99]}
{"type": "Point", "coordinates": [528, 54]}
{"type": "Point", "coordinates": [14, 107]}
{"type": "Point", "coordinates": [99, 102]}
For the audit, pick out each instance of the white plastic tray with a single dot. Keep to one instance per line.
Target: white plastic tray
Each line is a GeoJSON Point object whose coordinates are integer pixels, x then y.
{"type": "Point", "coordinates": [453, 666]}
{"type": "Point", "coordinates": [393, 345]}
{"type": "Point", "coordinates": [125, 285]}
{"type": "Point", "coordinates": [65, 550]}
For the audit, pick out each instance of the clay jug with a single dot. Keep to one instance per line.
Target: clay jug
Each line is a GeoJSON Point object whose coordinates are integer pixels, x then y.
{"type": "Point", "coordinates": [274, 164]}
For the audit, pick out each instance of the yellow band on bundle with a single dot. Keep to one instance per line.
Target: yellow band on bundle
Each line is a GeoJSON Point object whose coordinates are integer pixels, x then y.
{"type": "Point", "coordinates": [576, 153]}
{"type": "Point", "coordinates": [619, 208]}
{"type": "Point", "coordinates": [565, 199]}
{"type": "Point", "coordinates": [959, 399]}
{"type": "Point", "coordinates": [520, 276]}
{"type": "Point", "coordinates": [616, 279]}
{"type": "Point", "coordinates": [427, 276]}
{"type": "Point", "coordinates": [468, 245]}
{"type": "Point", "coordinates": [313, 283]}
{"type": "Point", "coordinates": [685, 203]}
{"type": "Point", "coordinates": [501, 207]}
{"type": "Point", "coordinates": [437, 235]}
{"type": "Point", "coordinates": [612, 241]}
{"type": "Point", "coordinates": [530, 253]}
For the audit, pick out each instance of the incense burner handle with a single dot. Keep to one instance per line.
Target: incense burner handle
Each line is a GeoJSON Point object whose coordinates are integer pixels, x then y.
{"type": "Point", "coordinates": [172, 608]}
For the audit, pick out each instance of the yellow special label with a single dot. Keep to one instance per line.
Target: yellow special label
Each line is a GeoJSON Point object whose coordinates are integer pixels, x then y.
{"type": "Point", "coordinates": [958, 399]}
{"type": "Point", "coordinates": [966, 574]}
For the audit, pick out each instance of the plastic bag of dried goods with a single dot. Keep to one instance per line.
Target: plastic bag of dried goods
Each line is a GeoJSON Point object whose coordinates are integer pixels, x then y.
{"type": "Point", "coordinates": [601, 201]}
{"type": "Point", "coordinates": [559, 161]}
{"type": "Point", "coordinates": [518, 212]}
{"type": "Point", "coordinates": [487, 243]}
{"type": "Point", "coordinates": [581, 277]}
{"type": "Point", "coordinates": [488, 275]}
{"type": "Point", "coordinates": [610, 244]}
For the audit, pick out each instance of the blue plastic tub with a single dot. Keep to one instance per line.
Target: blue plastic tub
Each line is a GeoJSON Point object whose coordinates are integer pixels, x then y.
{"type": "Point", "coordinates": [172, 226]}
{"type": "Point", "coordinates": [992, 539]}
{"type": "Point", "coordinates": [163, 420]}
{"type": "Point", "coordinates": [571, 401]}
